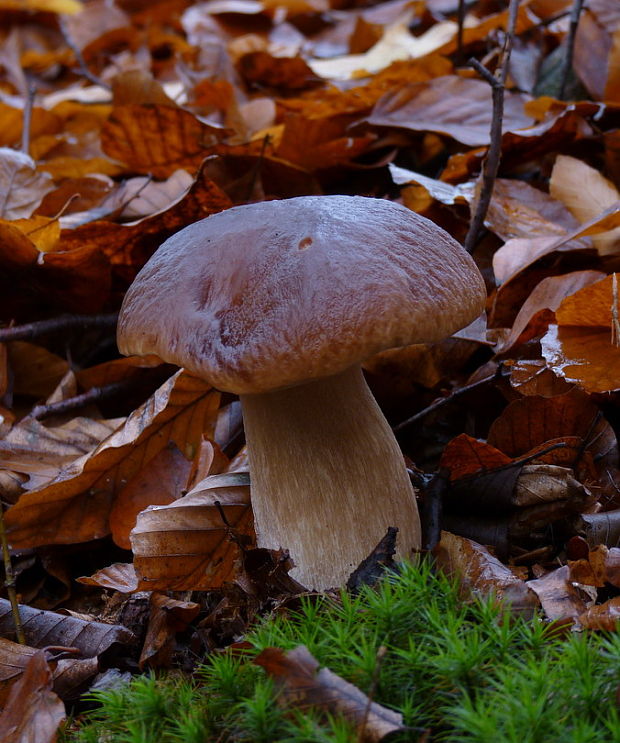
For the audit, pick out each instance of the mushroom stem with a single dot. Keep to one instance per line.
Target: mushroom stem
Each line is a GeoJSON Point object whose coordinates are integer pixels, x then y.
{"type": "Point", "coordinates": [327, 477]}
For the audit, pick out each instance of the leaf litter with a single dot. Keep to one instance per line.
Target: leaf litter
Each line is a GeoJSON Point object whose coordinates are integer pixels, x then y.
{"type": "Point", "coordinates": [136, 127]}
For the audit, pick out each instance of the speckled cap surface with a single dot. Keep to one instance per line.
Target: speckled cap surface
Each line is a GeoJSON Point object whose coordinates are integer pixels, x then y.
{"type": "Point", "coordinates": [272, 294]}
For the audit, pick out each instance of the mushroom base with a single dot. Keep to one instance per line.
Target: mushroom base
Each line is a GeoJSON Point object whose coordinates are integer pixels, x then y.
{"type": "Point", "coordinates": [327, 477]}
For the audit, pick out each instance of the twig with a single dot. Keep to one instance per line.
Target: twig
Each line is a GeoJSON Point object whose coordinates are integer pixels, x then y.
{"type": "Point", "coordinates": [570, 46]}
{"type": "Point", "coordinates": [491, 164]}
{"type": "Point", "coordinates": [257, 166]}
{"type": "Point", "coordinates": [443, 400]}
{"type": "Point", "coordinates": [27, 118]}
{"type": "Point", "coordinates": [615, 323]}
{"type": "Point", "coordinates": [95, 79]}
{"type": "Point", "coordinates": [9, 581]}
{"type": "Point", "coordinates": [57, 325]}
{"type": "Point", "coordinates": [95, 394]}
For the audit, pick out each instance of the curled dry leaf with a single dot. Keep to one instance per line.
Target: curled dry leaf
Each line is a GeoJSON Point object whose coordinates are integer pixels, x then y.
{"type": "Point", "coordinates": [160, 482]}
{"type": "Point", "coordinates": [600, 528]}
{"type": "Point", "coordinates": [44, 628]}
{"type": "Point", "coordinates": [587, 193]}
{"type": "Point", "coordinates": [41, 452]}
{"type": "Point", "coordinates": [532, 421]}
{"type": "Point", "coordinates": [119, 577]}
{"type": "Point", "coordinates": [602, 617]}
{"type": "Point", "coordinates": [22, 186]}
{"type": "Point", "coordinates": [69, 675]}
{"type": "Point", "coordinates": [75, 507]}
{"type": "Point", "coordinates": [33, 711]}
{"type": "Point", "coordinates": [600, 567]}
{"type": "Point", "coordinates": [560, 598]}
{"type": "Point", "coordinates": [303, 684]}
{"type": "Point", "coordinates": [482, 574]}
{"type": "Point", "coordinates": [537, 311]}
{"type": "Point", "coordinates": [583, 356]}
{"type": "Point", "coordinates": [167, 617]}
{"type": "Point", "coordinates": [158, 139]}
{"type": "Point", "coordinates": [196, 542]}
{"type": "Point", "coordinates": [457, 106]}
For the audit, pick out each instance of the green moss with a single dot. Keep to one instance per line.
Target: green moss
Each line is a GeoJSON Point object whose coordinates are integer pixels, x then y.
{"type": "Point", "coordinates": [463, 671]}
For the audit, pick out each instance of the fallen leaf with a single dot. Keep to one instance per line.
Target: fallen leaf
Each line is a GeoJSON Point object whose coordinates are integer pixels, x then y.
{"type": "Point", "coordinates": [75, 507]}
{"type": "Point", "coordinates": [161, 482]}
{"type": "Point", "coordinates": [33, 711]}
{"type": "Point", "coordinates": [22, 186]}
{"type": "Point", "coordinates": [158, 140]}
{"type": "Point", "coordinates": [583, 356]}
{"type": "Point", "coordinates": [168, 616]}
{"type": "Point", "coordinates": [561, 599]}
{"type": "Point", "coordinates": [456, 106]}
{"type": "Point", "coordinates": [587, 193]}
{"type": "Point", "coordinates": [479, 573]}
{"type": "Point", "coordinates": [303, 684]}
{"type": "Point", "coordinates": [196, 542]}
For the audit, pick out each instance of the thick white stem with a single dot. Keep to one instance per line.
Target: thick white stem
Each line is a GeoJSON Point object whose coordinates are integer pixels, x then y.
{"type": "Point", "coordinates": [327, 477]}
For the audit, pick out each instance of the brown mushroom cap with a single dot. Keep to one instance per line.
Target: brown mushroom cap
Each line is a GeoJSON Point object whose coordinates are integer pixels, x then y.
{"type": "Point", "coordinates": [274, 294]}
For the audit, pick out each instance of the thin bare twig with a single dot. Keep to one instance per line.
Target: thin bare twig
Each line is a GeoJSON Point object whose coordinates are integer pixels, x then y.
{"type": "Point", "coordinates": [95, 394]}
{"type": "Point", "coordinates": [570, 46]}
{"type": "Point", "coordinates": [444, 400]}
{"type": "Point", "coordinates": [27, 118]}
{"type": "Point", "coordinates": [9, 581]}
{"type": "Point", "coordinates": [79, 58]}
{"type": "Point", "coordinates": [57, 325]}
{"type": "Point", "coordinates": [491, 164]}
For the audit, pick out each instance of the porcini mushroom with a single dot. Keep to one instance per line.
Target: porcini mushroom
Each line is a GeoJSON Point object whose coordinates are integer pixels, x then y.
{"type": "Point", "coordinates": [280, 302]}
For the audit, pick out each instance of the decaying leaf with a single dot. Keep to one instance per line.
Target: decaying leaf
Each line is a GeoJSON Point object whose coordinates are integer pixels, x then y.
{"type": "Point", "coordinates": [76, 506]}
{"type": "Point", "coordinates": [43, 628]}
{"type": "Point", "coordinates": [302, 684]}
{"type": "Point", "coordinates": [196, 542]}
{"type": "Point", "coordinates": [561, 599]}
{"type": "Point", "coordinates": [33, 711]}
{"type": "Point", "coordinates": [168, 616]}
{"type": "Point", "coordinates": [22, 186]}
{"type": "Point", "coordinates": [482, 574]}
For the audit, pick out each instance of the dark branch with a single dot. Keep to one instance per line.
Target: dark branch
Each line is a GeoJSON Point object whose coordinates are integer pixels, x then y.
{"type": "Point", "coordinates": [57, 325]}
{"type": "Point", "coordinates": [570, 46]}
{"type": "Point", "coordinates": [95, 394]}
{"type": "Point", "coordinates": [491, 164]}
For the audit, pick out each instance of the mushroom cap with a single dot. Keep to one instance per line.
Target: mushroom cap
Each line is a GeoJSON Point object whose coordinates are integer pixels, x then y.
{"type": "Point", "coordinates": [274, 294]}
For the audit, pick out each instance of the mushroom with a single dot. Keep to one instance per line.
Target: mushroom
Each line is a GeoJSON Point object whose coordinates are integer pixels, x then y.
{"type": "Point", "coordinates": [279, 302]}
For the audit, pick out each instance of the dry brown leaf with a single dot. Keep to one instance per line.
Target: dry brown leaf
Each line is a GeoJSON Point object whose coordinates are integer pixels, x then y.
{"type": "Point", "coordinates": [600, 567]}
{"type": "Point", "coordinates": [45, 628]}
{"type": "Point", "coordinates": [41, 451]}
{"type": "Point", "coordinates": [583, 356]}
{"type": "Point", "coordinates": [481, 574]}
{"type": "Point", "coordinates": [33, 711]}
{"type": "Point", "coordinates": [22, 186]}
{"type": "Point", "coordinates": [196, 542]}
{"type": "Point", "coordinates": [303, 684]}
{"type": "Point", "coordinates": [591, 305]}
{"type": "Point", "coordinates": [119, 577]}
{"type": "Point", "coordinates": [167, 617]}
{"type": "Point", "coordinates": [456, 106]}
{"type": "Point", "coordinates": [537, 311]}
{"type": "Point", "coordinates": [587, 193]}
{"type": "Point", "coordinates": [531, 421]}
{"type": "Point", "coordinates": [75, 507]}
{"type": "Point", "coordinates": [397, 43]}
{"type": "Point", "coordinates": [560, 598]}
{"type": "Point", "coordinates": [602, 617]}
{"type": "Point", "coordinates": [158, 140]}
{"type": "Point", "coordinates": [160, 482]}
